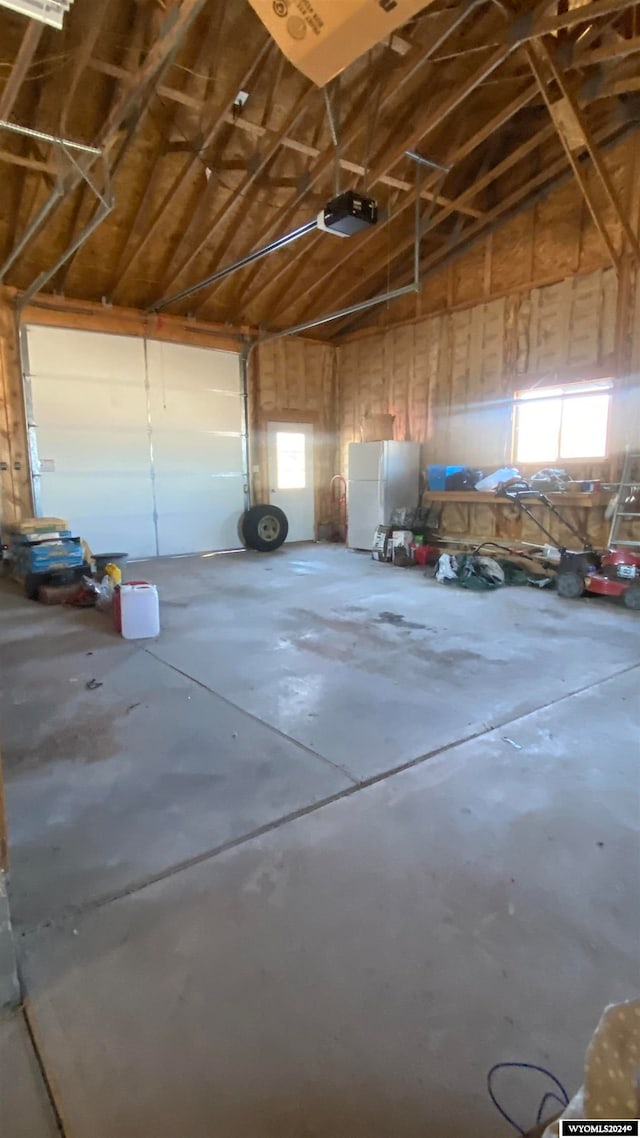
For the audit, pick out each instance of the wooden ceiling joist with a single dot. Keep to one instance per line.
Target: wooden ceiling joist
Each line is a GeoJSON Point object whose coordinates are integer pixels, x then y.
{"type": "Point", "coordinates": [518, 199]}
{"type": "Point", "coordinates": [575, 135]}
{"type": "Point", "coordinates": [236, 199]}
{"type": "Point", "coordinates": [156, 85]}
{"type": "Point", "coordinates": [216, 120]}
{"type": "Point", "coordinates": [207, 56]}
{"type": "Point", "coordinates": [463, 151]}
{"type": "Point", "coordinates": [26, 52]}
{"type": "Point", "coordinates": [397, 81]}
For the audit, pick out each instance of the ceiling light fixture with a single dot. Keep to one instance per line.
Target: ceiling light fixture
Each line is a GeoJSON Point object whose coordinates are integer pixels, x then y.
{"type": "Point", "coordinates": [51, 12]}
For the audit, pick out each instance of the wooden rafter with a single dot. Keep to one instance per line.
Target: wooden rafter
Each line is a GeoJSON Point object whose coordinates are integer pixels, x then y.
{"type": "Point", "coordinates": [520, 30]}
{"type": "Point", "coordinates": [259, 132]}
{"type": "Point", "coordinates": [356, 288]}
{"type": "Point", "coordinates": [266, 281]}
{"type": "Point", "coordinates": [458, 155]}
{"type": "Point", "coordinates": [355, 126]}
{"type": "Point", "coordinates": [215, 122]}
{"type": "Point", "coordinates": [26, 52]}
{"type": "Point", "coordinates": [177, 20]}
{"type": "Point", "coordinates": [90, 31]}
{"type": "Point", "coordinates": [236, 197]}
{"type": "Point", "coordinates": [156, 104]}
{"type": "Point", "coordinates": [519, 198]}
{"type": "Point", "coordinates": [207, 54]}
{"type": "Point", "coordinates": [575, 135]}
{"type": "Point", "coordinates": [40, 166]}
{"type": "Point", "coordinates": [130, 105]}
{"type": "Point", "coordinates": [374, 271]}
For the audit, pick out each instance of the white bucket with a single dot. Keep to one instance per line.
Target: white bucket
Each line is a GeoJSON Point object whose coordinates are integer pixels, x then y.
{"type": "Point", "coordinates": [140, 611]}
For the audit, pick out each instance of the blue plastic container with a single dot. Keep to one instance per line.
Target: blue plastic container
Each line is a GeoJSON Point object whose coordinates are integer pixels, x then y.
{"type": "Point", "coordinates": [45, 556]}
{"type": "Point", "coordinates": [437, 475]}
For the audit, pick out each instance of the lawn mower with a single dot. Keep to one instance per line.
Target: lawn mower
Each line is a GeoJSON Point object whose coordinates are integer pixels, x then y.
{"type": "Point", "coordinates": [609, 573]}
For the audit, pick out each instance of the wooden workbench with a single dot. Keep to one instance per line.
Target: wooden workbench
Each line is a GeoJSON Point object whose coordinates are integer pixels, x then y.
{"type": "Point", "coordinates": [477, 514]}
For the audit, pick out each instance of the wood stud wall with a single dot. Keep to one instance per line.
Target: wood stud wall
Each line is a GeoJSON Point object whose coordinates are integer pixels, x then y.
{"type": "Point", "coordinates": [294, 380]}
{"type": "Point", "coordinates": [534, 299]}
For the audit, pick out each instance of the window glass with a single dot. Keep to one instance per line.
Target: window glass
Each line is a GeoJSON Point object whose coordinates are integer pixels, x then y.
{"type": "Point", "coordinates": [291, 460]}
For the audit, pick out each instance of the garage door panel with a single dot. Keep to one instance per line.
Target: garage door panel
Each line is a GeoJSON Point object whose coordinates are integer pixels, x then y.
{"type": "Point", "coordinates": [179, 365]}
{"type": "Point", "coordinates": [137, 447]}
{"type": "Point", "coordinates": [193, 493]}
{"type": "Point", "coordinates": [123, 522]}
{"type": "Point", "coordinates": [189, 410]}
{"type": "Point", "coordinates": [101, 452]}
{"type": "Point", "coordinates": [88, 401]}
{"type": "Point", "coordinates": [64, 352]}
{"type": "Point", "coordinates": [205, 453]}
{"type": "Point", "coordinates": [211, 521]}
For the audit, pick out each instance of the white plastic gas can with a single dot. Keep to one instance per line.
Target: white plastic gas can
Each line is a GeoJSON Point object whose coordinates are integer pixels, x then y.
{"type": "Point", "coordinates": [140, 611]}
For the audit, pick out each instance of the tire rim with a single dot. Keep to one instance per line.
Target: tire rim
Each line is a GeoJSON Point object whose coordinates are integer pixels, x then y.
{"type": "Point", "coordinates": [268, 528]}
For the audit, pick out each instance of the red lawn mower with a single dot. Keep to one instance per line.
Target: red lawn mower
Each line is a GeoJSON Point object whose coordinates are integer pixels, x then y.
{"type": "Point", "coordinates": [610, 573]}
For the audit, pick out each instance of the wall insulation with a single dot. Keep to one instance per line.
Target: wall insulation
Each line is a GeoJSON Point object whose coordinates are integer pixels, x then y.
{"type": "Point", "coordinates": [294, 380]}
{"type": "Point", "coordinates": [449, 379]}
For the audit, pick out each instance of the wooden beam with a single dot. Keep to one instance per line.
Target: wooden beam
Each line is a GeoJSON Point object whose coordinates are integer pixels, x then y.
{"type": "Point", "coordinates": [208, 53]}
{"type": "Point", "coordinates": [356, 286]}
{"type": "Point", "coordinates": [571, 150]}
{"type": "Point", "coordinates": [518, 199]}
{"type": "Point", "coordinates": [479, 136]}
{"type": "Point", "coordinates": [521, 30]}
{"type": "Point", "coordinates": [447, 23]}
{"type": "Point", "coordinates": [544, 25]}
{"type": "Point", "coordinates": [236, 197]}
{"type": "Point", "coordinates": [89, 316]}
{"type": "Point", "coordinates": [173, 94]}
{"type": "Point", "coordinates": [216, 119]}
{"type": "Point", "coordinates": [258, 130]}
{"type": "Point", "coordinates": [132, 102]}
{"type": "Point", "coordinates": [26, 52]}
{"type": "Point", "coordinates": [27, 163]}
{"type": "Point", "coordinates": [546, 49]}
{"type": "Point", "coordinates": [361, 279]}
{"type": "Point", "coordinates": [90, 20]}
{"type": "Point", "coordinates": [616, 50]}
{"type": "Point", "coordinates": [178, 19]}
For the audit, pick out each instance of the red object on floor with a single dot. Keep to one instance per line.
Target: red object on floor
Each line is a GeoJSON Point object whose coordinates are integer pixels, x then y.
{"type": "Point", "coordinates": [605, 586]}
{"type": "Point", "coordinates": [425, 554]}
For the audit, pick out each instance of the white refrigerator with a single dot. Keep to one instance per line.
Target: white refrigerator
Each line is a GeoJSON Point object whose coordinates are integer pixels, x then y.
{"type": "Point", "coordinates": [382, 477]}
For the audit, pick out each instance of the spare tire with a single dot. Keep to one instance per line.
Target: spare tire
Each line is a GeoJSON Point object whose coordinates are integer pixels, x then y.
{"type": "Point", "coordinates": [264, 528]}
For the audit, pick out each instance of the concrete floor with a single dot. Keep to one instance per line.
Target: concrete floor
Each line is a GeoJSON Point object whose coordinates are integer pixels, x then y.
{"type": "Point", "coordinates": [286, 871]}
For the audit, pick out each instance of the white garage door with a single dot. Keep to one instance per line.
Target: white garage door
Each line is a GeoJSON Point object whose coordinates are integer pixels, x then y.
{"type": "Point", "coordinates": [140, 444]}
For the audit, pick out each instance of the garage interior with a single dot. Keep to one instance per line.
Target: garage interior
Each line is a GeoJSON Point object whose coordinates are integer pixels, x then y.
{"type": "Point", "coordinates": [343, 838]}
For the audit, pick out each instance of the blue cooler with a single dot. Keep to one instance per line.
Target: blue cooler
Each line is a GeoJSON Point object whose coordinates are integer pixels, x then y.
{"type": "Point", "coordinates": [437, 475]}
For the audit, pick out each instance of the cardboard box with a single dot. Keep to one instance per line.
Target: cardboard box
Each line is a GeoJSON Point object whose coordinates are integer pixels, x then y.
{"type": "Point", "coordinates": [381, 545]}
{"type": "Point", "coordinates": [401, 546]}
{"type": "Point", "coordinates": [322, 37]}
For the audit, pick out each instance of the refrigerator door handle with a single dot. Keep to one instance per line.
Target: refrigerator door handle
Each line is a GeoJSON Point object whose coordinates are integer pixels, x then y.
{"type": "Point", "coordinates": [381, 480]}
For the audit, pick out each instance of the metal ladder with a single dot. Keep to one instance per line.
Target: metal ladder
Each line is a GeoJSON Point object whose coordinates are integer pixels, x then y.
{"type": "Point", "coordinates": [631, 461]}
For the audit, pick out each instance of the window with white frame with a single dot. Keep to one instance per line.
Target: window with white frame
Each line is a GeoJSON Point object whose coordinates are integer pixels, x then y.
{"type": "Point", "coordinates": [555, 424]}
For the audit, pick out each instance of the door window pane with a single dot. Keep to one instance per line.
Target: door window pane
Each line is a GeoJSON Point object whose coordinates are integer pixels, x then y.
{"type": "Point", "coordinates": [290, 460]}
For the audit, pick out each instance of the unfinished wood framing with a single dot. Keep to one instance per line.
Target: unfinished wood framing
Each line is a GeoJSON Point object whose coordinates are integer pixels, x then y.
{"type": "Point", "coordinates": [200, 181]}
{"type": "Point", "coordinates": [295, 380]}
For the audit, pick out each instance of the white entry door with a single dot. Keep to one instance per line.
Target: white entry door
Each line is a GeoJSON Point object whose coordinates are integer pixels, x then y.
{"type": "Point", "coordinates": [290, 447]}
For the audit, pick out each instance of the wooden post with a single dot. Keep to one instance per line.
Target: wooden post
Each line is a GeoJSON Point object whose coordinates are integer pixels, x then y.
{"type": "Point", "coordinates": [15, 481]}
